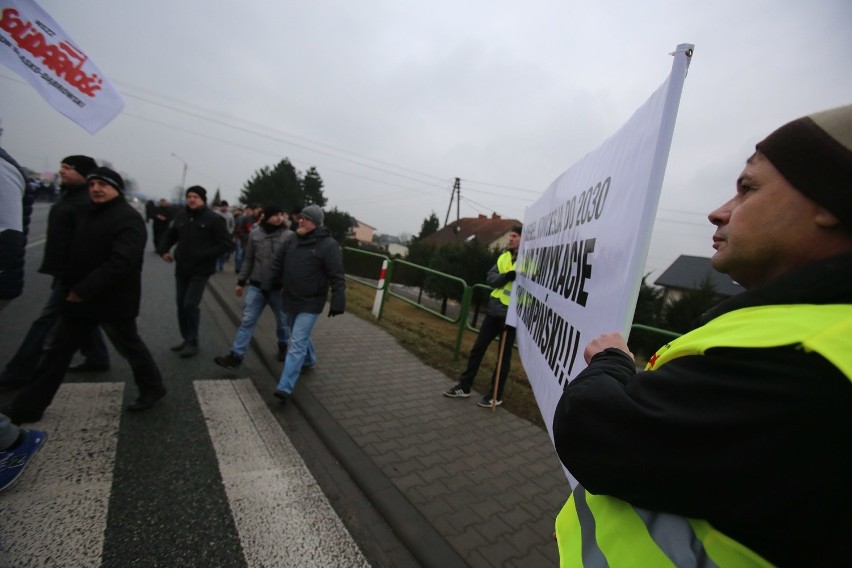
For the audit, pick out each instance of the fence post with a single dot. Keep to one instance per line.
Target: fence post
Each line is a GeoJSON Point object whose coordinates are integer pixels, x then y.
{"type": "Point", "coordinates": [465, 309]}
{"type": "Point", "coordinates": [380, 291]}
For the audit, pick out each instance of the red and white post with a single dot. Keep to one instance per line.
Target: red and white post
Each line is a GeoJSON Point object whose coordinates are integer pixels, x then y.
{"type": "Point", "coordinates": [380, 292]}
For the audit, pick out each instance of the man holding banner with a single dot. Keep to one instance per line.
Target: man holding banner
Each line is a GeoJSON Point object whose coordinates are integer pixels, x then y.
{"type": "Point", "coordinates": [500, 276]}
{"type": "Point", "coordinates": [733, 447]}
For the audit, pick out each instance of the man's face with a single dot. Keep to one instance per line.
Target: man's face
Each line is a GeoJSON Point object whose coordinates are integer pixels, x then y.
{"type": "Point", "coordinates": [514, 241]}
{"type": "Point", "coordinates": [194, 201]}
{"type": "Point", "coordinates": [69, 176]}
{"type": "Point", "coordinates": [276, 219]}
{"type": "Point", "coordinates": [163, 203]}
{"type": "Point", "coordinates": [305, 225]}
{"type": "Point", "coordinates": [766, 229]}
{"type": "Point", "coordinates": [101, 192]}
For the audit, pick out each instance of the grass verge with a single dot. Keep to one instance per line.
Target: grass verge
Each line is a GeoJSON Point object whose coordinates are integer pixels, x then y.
{"type": "Point", "coordinates": [432, 340]}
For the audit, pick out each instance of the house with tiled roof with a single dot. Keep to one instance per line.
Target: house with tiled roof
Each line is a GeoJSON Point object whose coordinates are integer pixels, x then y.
{"type": "Point", "coordinates": [689, 272]}
{"type": "Point", "coordinates": [493, 232]}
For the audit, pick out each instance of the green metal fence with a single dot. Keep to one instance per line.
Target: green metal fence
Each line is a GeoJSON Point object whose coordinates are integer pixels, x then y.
{"type": "Point", "coordinates": [367, 266]}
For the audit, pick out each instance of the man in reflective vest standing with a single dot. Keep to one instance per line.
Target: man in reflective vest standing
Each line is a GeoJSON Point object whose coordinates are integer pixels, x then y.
{"type": "Point", "coordinates": [501, 276]}
{"type": "Point", "coordinates": [733, 447]}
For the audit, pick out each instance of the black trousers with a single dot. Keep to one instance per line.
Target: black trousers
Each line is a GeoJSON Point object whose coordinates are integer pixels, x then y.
{"type": "Point", "coordinates": [491, 327]}
{"type": "Point", "coordinates": [63, 342]}
{"type": "Point", "coordinates": [190, 289]}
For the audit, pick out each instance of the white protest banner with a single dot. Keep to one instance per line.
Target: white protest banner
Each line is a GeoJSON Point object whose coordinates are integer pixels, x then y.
{"type": "Point", "coordinates": [585, 242]}
{"type": "Point", "coordinates": [36, 48]}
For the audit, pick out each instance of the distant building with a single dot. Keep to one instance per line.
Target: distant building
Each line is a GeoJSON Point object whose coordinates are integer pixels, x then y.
{"type": "Point", "coordinates": [689, 272]}
{"type": "Point", "coordinates": [362, 232]}
{"type": "Point", "coordinates": [391, 244]}
{"type": "Point", "coordinates": [493, 232]}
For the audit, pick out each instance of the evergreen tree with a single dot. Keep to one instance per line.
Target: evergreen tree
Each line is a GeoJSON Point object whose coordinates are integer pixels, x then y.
{"type": "Point", "coordinates": [681, 314]}
{"type": "Point", "coordinates": [217, 198]}
{"type": "Point", "coordinates": [340, 223]}
{"type": "Point", "coordinates": [430, 225]}
{"type": "Point", "coordinates": [280, 185]}
{"type": "Point", "coordinates": [312, 187]}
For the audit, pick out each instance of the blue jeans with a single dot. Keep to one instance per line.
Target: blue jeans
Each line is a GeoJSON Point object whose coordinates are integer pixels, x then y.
{"type": "Point", "coordinates": [189, 292]}
{"type": "Point", "coordinates": [301, 352]}
{"type": "Point", "coordinates": [239, 255]}
{"type": "Point", "coordinates": [254, 304]}
{"type": "Point", "coordinates": [26, 359]}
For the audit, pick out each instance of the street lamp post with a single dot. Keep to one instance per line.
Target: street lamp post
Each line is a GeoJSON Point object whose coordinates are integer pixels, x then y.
{"type": "Point", "coordinates": [185, 167]}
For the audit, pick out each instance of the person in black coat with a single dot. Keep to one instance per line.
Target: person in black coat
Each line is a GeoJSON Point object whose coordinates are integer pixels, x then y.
{"type": "Point", "coordinates": [161, 218]}
{"type": "Point", "coordinates": [62, 222]}
{"type": "Point", "coordinates": [201, 236]}
{"type": "Point", "coordinates": [103, 279]}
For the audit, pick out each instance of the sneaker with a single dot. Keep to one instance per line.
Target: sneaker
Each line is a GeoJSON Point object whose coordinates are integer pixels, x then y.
{"type": "Point", "coordinates": [229, 361]}
{"type": "Point", "coordinates": [14, 460]}
{"type": "Point", "coordinates": [485, 402]}
{"type": "Point", "coordinates": [179, 346]}
{"type": "Point", "coordinates": [457, 392]}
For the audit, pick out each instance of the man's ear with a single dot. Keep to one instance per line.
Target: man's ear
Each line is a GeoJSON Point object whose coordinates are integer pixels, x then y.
{"type": "Point", "coordinates": [825, 218]}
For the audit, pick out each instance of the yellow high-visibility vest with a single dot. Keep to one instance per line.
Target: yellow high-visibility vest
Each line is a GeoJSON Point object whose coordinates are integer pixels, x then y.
{"type": "Point", "coordinates": [599, 530]}
{"type": "Point", "coordinates": [505, 263]}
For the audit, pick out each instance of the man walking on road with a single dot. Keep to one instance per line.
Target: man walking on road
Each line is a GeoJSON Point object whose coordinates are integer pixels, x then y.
{"type": "Point", "coordinates": [104, 283]}
{"type": "Point", "coordinates": [264, 243]}
{"type": "Point", "coordinates": [733, 447]}
{"type": "Point", "coordinates": [501, 276]}
{"type": "Point", "coordinates": [63, 220]}
{"type": "Point", "coordinates": [17, 446]}
{"type": "Point", "coordinates": [307, 266]}
{"type": "Point", "coordinates": [201, 237]}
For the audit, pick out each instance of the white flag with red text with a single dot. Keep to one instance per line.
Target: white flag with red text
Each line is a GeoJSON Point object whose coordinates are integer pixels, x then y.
{"type": "Point", "coordinates": [34, 46]}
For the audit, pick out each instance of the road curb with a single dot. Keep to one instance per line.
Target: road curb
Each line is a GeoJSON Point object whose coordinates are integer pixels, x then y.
{"type": "Point", "coordinates": [416, 533]}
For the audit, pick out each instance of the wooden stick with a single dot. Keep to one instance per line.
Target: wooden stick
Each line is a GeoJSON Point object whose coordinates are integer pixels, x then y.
{"type": "Point", "coordinates": [498, 369]}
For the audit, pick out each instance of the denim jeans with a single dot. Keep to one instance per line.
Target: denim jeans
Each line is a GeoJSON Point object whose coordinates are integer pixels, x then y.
{"type": "Point", "coordinates": [254, 304]}
{"type": "Point", "coordinates": [301, 352]}
{"type": "Point", "coordinates": [189, 292]}
{"type": "Point", "coordinates": [26, 359]}
{"type": "Point", "coordinates": [239, 255]}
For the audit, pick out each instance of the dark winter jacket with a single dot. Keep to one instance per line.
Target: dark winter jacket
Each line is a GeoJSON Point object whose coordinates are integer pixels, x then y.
{"type": "Point", "coordinates": [201, 238]}
{"type": "Point", "coordinates": [262, 247]}
{"type": "Point", "coordinates": [16, 205]}
{"type": "Point", "coordinates": [62, 222]}
{"type": "Point", "coordinates": [105, 263]}
{"type": "Point", "coordinates": [306, 267]}
{"type": "Point", "coordinates": [755, 441]}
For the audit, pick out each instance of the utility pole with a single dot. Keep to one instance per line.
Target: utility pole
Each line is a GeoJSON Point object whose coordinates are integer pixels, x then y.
{"type": "Point", "coordinates": [457, 195]}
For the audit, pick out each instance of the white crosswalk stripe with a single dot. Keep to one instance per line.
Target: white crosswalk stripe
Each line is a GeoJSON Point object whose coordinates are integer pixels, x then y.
{"type": "Point", "coordinates": [281, 514]}
{"type": "Point", "coordinates": [56, 514]}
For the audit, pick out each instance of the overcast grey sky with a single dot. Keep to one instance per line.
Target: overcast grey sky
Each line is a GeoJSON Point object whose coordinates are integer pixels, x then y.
{"type": "Point", "coordinates": [391, 100]}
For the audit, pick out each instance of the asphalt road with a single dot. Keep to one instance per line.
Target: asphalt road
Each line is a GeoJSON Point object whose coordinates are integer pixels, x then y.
{"type": "Point", "coordinates": [206, 478]}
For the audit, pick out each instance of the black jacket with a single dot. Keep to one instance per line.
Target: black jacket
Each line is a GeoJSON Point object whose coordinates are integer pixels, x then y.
{"type": "Point", "coordinates": [105, 263]}
{"type": "Point", "coordinates": [756, 441]}
{"type": "Point", "coordinates": [201, 237]}
{"type": "Point", "coordinates": [62, 222]}
{"type": "Point", "coordinates": [307, 266]}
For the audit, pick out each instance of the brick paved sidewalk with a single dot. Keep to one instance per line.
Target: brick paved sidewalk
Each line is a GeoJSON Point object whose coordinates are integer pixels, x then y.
{"type": "Point", "coordinates": [489, 483]}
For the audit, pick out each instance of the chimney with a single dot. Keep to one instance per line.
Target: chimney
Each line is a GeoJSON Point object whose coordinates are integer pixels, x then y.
{"type": "Point", "coordinates": [495, 217]}
{"type": "Point", "coordinates": [481, 216]}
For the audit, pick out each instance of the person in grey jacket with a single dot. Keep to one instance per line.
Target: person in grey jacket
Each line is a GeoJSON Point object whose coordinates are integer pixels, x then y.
{"type": "Point", "coordinates": [307, 267]}
{"type": "Point", "coordinates": [265, 240]}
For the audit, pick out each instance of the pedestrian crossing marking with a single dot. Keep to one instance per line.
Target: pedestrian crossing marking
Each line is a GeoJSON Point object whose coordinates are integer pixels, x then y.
{"type": "Point", "coordinates": [281, 514]}
{"type": "Point", "coordinates": [56, 513]}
